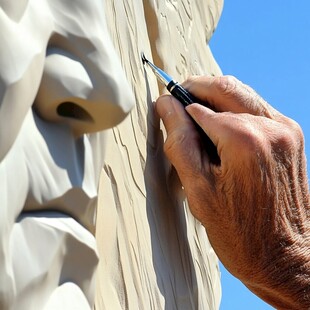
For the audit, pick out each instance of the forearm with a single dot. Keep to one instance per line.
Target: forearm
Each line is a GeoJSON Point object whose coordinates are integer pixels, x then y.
{"type": "Point", "coordinates": [286, 284]}
{"type": "Point", "coordinates": [285, 278]}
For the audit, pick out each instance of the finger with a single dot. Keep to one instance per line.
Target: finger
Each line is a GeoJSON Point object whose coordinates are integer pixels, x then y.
{"type": "Point", "coordinates": [227, 94]}
{"type": "Point", "coordinates": [172, 113]}
{"type": "Point", "coordinates": [203, 116]}
{"type": "Point", "coordinates": [223, 130]}
{"type": "Point", "coordinates": [182, 146]}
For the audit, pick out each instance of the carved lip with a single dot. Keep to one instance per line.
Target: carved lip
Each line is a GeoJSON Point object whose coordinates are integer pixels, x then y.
{"type": "Point", "coordinates": [74, 203]}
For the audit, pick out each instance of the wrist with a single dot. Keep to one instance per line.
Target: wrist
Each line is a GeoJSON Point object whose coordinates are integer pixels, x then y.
{"type": "Point", "coordinates": [284, 281]}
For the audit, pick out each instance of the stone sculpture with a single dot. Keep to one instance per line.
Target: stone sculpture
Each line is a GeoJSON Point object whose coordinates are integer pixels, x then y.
{"type": "Point", "coordinates": [61, 79]}
{"type": "Point", "coordinates": [153, 254]}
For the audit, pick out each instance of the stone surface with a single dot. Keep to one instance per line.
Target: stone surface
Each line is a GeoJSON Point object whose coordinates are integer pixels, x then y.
{"type": "Point", "coordinates": [69, 69]}
{"type": "Point", "coordinates": [53, 54]}
{"type": "Point", "coordinates": [153, 254]}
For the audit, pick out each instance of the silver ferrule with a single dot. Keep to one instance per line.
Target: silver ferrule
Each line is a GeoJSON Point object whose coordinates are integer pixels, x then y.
{"type": "Point", "coordinates": [160, 74]}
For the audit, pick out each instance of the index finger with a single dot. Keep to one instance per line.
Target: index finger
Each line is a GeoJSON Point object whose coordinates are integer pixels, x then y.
{"type": "Point", "coordinates": [172, 113]}
{"type": "Point", "coordinates": [228, 94]}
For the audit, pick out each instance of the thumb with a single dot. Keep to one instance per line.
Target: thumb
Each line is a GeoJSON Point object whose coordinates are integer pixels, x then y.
{"type": "Point", "coordinates": [205, 118]}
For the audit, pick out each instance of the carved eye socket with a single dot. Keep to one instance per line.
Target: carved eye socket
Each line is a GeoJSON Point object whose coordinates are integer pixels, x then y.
{"type": "Point", "coordinates": [72, 110]}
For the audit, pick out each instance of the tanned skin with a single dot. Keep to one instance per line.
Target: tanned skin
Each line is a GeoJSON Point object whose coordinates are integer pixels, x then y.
{"type": "Point", "coordinates": [255, 204]}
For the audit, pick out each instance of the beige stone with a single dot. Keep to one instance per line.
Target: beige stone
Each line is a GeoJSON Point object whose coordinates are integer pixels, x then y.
{"type": "Point", "coordinates": [153, 253]}
{"type": "Point", "coordinates": [53, 53]}
{"type": "Point", "coordinates": [69, 69]}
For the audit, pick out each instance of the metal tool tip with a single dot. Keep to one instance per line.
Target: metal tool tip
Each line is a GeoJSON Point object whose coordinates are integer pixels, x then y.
{"type": "Point", "coordinates": [144, 60]}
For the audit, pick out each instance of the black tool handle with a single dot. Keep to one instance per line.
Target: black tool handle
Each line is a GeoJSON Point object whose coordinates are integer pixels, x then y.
{"type": "Point", "coordinates": [180, 93]}
{"type": "Point", "coordinates": [186, 98]}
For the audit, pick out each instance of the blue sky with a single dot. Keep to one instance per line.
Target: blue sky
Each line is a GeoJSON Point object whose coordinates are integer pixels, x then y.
{"type": "Point", "coordinates": [266, 44]}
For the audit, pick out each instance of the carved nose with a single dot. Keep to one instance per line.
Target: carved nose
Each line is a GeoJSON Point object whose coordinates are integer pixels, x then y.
{"type": "Point", "coordinates": [86, 98]}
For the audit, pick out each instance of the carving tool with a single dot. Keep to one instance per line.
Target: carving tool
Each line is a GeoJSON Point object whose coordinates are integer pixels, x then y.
{"type": "Point", "coordinates": [176, 90]}
{"type": "Point", "coordinates": [186, 98]}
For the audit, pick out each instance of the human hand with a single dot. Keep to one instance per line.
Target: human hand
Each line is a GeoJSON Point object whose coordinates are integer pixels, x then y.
{"type": "Point", "coordinates": [255, 203]}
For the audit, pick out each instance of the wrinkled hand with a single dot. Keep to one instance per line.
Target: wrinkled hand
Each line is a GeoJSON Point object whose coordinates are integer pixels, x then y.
{"type": "Point", "coordinates": [255, 203]}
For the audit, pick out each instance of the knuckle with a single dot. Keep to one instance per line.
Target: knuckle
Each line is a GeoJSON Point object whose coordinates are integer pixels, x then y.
{"type": "Point", "coordinates": [252, 140]}
{"type": "Point", "coordinates": [284, 144]}
{"type": "Point", "coordinates": [174, 142]}
{"type": "Point", "coordinates": [226, 85]}
{"type": "Point", "coordinates": [290, 137]}
{"type": "Point", "coordinates": [180, 143]}
{"type": "Point", "coordinates": [191, 79]}
{"type": "Point", "coordinates": [296, 130]}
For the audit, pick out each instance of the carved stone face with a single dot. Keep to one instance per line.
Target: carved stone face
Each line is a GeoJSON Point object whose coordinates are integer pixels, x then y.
{"type": "Point", "coordinates": [66, 41]}
{"type": "Point", "coordinates": [59, 78]}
